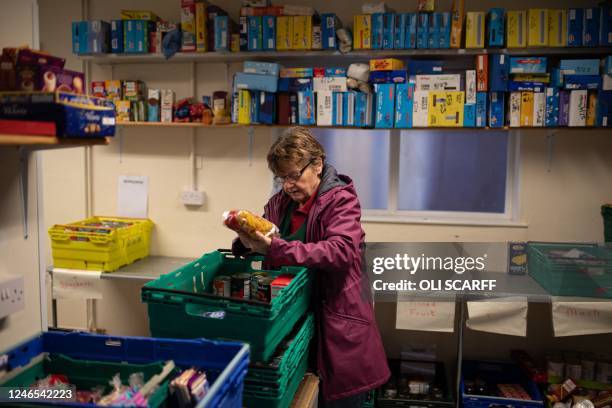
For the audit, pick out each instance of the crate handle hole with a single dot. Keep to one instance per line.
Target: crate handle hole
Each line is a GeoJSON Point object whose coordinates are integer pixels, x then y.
{"type": "Point", "coordinates": [113, 343]}
{"type": "Point", "coordinates": [257, 265]}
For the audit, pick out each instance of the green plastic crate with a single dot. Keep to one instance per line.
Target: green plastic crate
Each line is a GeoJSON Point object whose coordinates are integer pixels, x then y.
{"type": "Point", "coordinates": [261, 397]}
{"type": "Point", "coordinates": [86, 374]}
{"type": "Point", "coordinates": [276, 375]}
{"type": "Point", "coordinates": [606, 213]}
{"type": "Point", "coordinates": [370, 399]}
{"type": "Point", "coordinates": [181, 305]}
{"type": "Point", "coordinates": [587, 276]}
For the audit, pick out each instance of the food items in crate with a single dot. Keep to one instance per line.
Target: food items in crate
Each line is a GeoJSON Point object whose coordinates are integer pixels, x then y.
{"type": "Point", "coordinates": [562, 391]}
{"type": "Point", "coordinates": [528, 366]}
{"type": "Point", "coordinates": [261, 287]}
{"type": "Point", "coordinates": [279, 283]}
{"type": "Point", "coordinates": [515, 391]}
{"type": "Point", "coordinates": [246, 222]}
{"type": "Point", "coordinates": [222, 286]}
{"type": "Point", "coordinates": [241, 286]}
{"type": "Point", "coordinates": [190, 387]}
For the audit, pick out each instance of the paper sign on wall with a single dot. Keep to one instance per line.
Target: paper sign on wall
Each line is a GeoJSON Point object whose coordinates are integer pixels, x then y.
{"type": "Point", "coordinates": [76, 284]}
{"type": "Point", "coordinates": [500, 316]}
{"type": "Point", "coordinates": [579, 318]}
{"type": "Point", "coordinates": [426, 316]}
{"type": "Point", "coordinates": [132, 197]}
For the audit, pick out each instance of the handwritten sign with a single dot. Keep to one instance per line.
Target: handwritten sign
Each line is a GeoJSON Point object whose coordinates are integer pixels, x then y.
{"type": "Point", "coordinates": [426, 316]}
{"type": "Point", "coordinates": [76, 284]}
{"type": "Point", "coordinates": [579, 318]}
{"type": "Point", "coordinates": [500, 316]}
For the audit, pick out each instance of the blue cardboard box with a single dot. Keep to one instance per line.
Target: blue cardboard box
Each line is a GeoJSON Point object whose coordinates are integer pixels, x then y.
{"type": "Point", "coordinates": [79, 37]}
{"type": "Point", "coordinates": [329, 25]}
{"type": "Point", "coordinates": [267, 108]}
{"type": "Point", "coordinates": [433, 37]}
{"type": "Point", "coordinates": [581, 81]}
{"type": "Point", "coordinates": [425, 67]}
{"type": "Point", "coordinates": [564, 99]}
{"type": "Point", "coordinates": [404, 102]}
{"type": "Point", "coordinates": [293, 103]}
{"type": "Point", "coordinates": [388, 31]}
{"type": "Point", "coordinates": [604, 109]}
{"type": "Point", "coordinates": [269, 33]}
{"type": "Point", "coordinates": [605, 26]}
{"type": "Point", "coordinates": [337, 109]}
{"type": "Point", "coordinates": [377, 30]}
{"type": "Point", "coordinates": [256, 82]}
{"type": "Point", "coordinates": [363, 109]}
{"type": "Point", "coordinates": [496, 109]}
{"type": "Point", "coordinates": [388, 77]}
{"type": "Point", "coordinates": [551, 118]}
{"type": "Point", "coordinates": [556, 78]}
{"type": "Point", "coordinates": [481, 109]}
{"type": "Point", "coordinates": [255, 95]}
{"type": "Point", "coordinates": [608, 65]}
{"type": "Point", "coordinates": [514, 86]}
{"type": "Point", "coordinates": [98, 36]}
{"type": "Point", "coordinates": [411, 30]}
{"type": "Point", "coordinates": [294, 84]}
{"type": "Point", "coordinates": [136, 36]}
{"type": "Point", "coordinates": [445, 29]}
{"type": "Point", "coordinates": [469, 115]}
{"type": "Point", "coordinates": [222, 34]}
{"type": "Point", "coordinates": [263, 68]}
{"type": "Point", "coordinates": [348, 108]}
{"type": "Point", "coordinates": [422, 41]}
{"type": "Point", "coordinates": [255, 33]}
{"type": "Point", "coordinates": [399, 31]}
{"type": "Point", "coordinates": [498, 73]}
{"type": "Point", "coordinates": [385, 105]}
{"type": "Point", "coordinates": [528, 65]}
{"type": "Point", "coordinates": [579, 66]}
{"type": "Point", "coordinates": [116, 36]}
{"type": "Point", "coordinates": [590, 28]}
{"type": "Point", "coordinates": [575, 23]}
{"type": "Point", "coordinates": [306, 108]}
{"type": "Point", "coordinates": [495, 28]}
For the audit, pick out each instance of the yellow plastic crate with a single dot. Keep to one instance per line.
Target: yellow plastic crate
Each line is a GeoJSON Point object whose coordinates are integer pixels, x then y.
{"type": "Point", "coordinates": [81, 245]}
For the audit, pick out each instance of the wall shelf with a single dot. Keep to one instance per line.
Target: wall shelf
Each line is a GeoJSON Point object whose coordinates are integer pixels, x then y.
{"type": "Point", "coordinates": [219, 57]}
{"type": "Point", "coordinates": [236, 126]}
{"type": "Point", "coordinates": [45, 142]}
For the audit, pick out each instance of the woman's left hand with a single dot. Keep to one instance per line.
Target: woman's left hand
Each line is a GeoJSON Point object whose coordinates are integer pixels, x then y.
{"type": "Point", "coordinates": [261, 244]}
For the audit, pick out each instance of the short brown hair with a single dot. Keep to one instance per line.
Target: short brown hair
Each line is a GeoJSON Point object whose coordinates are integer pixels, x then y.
{"type": "Point", "coordinates": [296, 145]}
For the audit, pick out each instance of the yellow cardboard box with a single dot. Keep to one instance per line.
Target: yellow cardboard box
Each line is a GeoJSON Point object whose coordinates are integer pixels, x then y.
{"type": "Point", "coordinates": [557, 28]}
{"type": "Point", "coordinates": [516, 29]}
{"type": "Point", "coordinates": [591, 108]}
{"type": "Point", "coordinates": [457, 13]}
{"type": "Point", "coordinates": [244, 107]}
{"type": "Point", "coordinates": [526, 108]}
{"type": "Point", "coordinates": [201, 27]}
{"type": "Point", "coordinates": [302, 33]}
{"type": "Point", "coordinates": [445, 108]}
{"type": "Point", "coordinates": [474, 29]}
{"type": "Point", "coordinates": [386, 64]}
{"type": "Point", "coordinates": [138, 15]}
{"type": "Point", "coordinates": [362, 32]}
{"type": "Point", "coordinates": [284, 32]}
{"type": "Point", "coordinates": [538, 28]}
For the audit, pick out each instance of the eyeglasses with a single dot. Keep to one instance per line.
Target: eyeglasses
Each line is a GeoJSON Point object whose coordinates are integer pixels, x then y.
{"type": "Point", "coordinates": [293, 177]}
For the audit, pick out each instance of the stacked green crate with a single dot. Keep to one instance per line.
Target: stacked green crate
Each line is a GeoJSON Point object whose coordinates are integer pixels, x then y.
{"type": "Point", "coordinates": [273, 384]}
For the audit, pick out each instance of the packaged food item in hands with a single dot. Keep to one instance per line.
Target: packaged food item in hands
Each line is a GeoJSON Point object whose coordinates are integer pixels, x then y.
{"type": "Point", "coordinates": [246, 222]}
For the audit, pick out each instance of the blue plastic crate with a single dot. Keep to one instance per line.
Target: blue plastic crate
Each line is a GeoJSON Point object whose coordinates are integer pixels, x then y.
{"type": "Point", "coordinates": [225, 363]}
{"type": "Point", "coordinates": [498, 373]}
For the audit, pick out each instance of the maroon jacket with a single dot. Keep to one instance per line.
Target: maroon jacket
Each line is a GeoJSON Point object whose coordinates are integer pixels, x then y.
{"type": "Point", "coordinates": [350, 355]}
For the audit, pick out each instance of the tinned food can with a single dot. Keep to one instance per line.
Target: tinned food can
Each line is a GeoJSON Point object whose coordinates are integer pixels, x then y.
{"type": "Point", "coordinates": [222, 286]}
{"type": "Point", "coordinates": [263, 289]}
{"type": "Point", "coordinates": [241, 286]}
{"type": "Point", "coordinates": [255, 281]}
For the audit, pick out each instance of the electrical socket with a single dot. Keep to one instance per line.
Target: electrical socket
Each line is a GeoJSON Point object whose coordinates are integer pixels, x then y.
{"type": "Point", "coordinates": [11, 295]}
{"type": "Point", "coordinates": [193, 197]}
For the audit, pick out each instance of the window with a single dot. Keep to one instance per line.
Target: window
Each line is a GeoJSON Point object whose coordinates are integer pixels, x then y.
{"type": "Point", "coordinates": [427, 175]}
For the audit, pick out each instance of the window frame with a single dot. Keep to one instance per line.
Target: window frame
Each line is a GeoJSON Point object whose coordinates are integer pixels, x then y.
{"type": "Point", "coordinates": [510, 216]}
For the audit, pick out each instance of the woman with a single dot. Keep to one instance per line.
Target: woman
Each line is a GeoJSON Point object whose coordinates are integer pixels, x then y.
{"type": "Point", "coordinates": [318, 214]}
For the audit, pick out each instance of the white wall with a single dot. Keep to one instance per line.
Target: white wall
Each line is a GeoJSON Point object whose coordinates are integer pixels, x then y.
{"type": "Point", "coordinates": [18, 255]}
{"type": "Point", "coordinates": [561, 203]}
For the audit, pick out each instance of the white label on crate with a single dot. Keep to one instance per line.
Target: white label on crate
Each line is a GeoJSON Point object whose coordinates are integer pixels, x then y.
{"type": "Point", "coordinates": [132, 197]}
{"type": "Point", "coordinates": [108, 121]}
{"type": "Point", "coordinates": [76, 284]}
